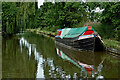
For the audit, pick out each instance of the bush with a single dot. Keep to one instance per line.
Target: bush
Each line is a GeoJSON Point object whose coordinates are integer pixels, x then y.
{"type": "Point", "coordinates": [81, 24]}
{"type": "Point", "coordinates": [105, 30]}
{"type": "Point", "coordinates": [54, 28]}
{"type": "Point", "coordinates": [117, 35]}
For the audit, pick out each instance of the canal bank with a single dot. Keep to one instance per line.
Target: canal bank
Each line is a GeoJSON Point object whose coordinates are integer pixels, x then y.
{"type": "Point", "coordinates": [112, 46]}
{"type": "Point", "coordinates": [45, 33]}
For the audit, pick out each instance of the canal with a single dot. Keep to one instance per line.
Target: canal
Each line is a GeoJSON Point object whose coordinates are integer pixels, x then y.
{"type": "Point", "coordinates": [29, 55]}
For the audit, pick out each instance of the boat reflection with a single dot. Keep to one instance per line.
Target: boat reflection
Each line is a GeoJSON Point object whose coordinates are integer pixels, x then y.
{"type": "Point", "coordinates": [84, 67]}
{"type": "Point", "coordinates": [90, 65]}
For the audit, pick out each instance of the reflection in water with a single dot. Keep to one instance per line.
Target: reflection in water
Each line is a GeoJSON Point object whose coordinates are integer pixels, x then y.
{"type": "Point", "coordinates": [38, 57]}
{"type": "Point", "coordinates": [86, 69]}
{"type": "Point", "coordinates": [40, 61]}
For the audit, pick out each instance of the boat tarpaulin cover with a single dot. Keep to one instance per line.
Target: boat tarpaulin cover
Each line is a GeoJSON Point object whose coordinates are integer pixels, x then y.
{"type": "Point", "coordinates": [64, 32]}
{"type": "Point", "coordinates": [73, 32]}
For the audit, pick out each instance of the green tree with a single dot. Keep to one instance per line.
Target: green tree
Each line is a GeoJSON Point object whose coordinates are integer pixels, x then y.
{"type": "Point", "coordinates": [9, 17]}
{"type": "Point", "coordinates": [60, 15]}
{"type": "Point", "coordinates": [111, 16]}
{"type": "Point", "coordinates": [17, 16]}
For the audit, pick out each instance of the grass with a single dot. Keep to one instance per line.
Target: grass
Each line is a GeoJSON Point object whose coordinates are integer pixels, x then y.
{"type": "Point", "coordinates": [42, 31]}
{"type": "Point", "coordinates": [112, 43]}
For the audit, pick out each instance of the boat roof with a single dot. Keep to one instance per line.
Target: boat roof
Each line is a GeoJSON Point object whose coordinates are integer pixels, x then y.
{"type": "Point", "coordinates": [74, 32]}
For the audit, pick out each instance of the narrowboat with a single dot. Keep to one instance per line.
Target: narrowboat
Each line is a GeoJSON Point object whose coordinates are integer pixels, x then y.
{"type": "Point", "coordinates": [83, 38]}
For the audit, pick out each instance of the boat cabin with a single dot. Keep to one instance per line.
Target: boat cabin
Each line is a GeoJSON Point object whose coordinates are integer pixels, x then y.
{"type": "Point", "coordinates": [87, 30]}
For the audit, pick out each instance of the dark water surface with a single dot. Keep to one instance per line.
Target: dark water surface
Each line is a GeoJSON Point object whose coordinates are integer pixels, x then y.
{"type": "Point", "coordinates": [31, 55]}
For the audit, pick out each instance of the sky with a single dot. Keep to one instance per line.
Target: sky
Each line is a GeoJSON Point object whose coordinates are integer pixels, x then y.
{"type": "Point", "coordinates": [98, 10]}
{"type": "Point", "coordinates": [40, 2]}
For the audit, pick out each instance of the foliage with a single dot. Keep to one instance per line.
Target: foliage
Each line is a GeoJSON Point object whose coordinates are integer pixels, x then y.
{"type": "Point", "coordinates": [111, 16]}
{"type": "Point", "coordinates": [17, 16]}
{"type": "Point", "coordinates": [111, 13]}
{"type": "Point", "coordinates": [9, 12]}
{"type": "Point", "coordinates": [117, 35]}
{"type": "Point", "coordinates": [50, 17]}
{"type": "Point", "coordinates": [61, 14]}
{"type": "Point", "coordinates": [90, 7]}
{"type": "Point", "coordinates": [105, 30]}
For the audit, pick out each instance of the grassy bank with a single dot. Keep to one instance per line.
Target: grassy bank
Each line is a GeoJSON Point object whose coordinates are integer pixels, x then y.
{"type": "Point", "coordinates": [46, 33]}
{"type": "Point", "coordinates": [112, 43]}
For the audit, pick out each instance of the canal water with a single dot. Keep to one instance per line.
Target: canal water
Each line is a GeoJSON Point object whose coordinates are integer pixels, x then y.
{"type": "Point", "coordinates": [30, 55]}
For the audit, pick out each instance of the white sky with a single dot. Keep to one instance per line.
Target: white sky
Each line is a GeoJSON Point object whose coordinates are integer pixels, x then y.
{"type": "Point", "coordinates": [98, 10]}
{"type": "Point", "coordinates": [40, 2]}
